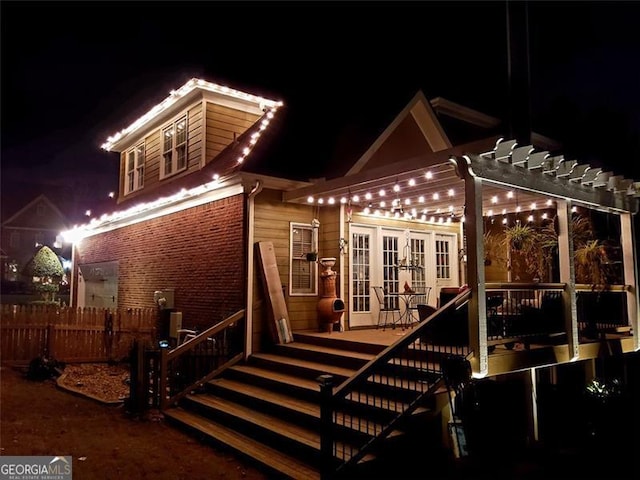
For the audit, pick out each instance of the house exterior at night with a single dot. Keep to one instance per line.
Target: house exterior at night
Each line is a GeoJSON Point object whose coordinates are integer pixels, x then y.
{"type": "Point", "coordinates": [410, 206]}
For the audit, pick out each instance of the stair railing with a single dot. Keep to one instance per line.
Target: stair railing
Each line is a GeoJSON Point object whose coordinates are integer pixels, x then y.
{"type": "Point", "coordinates": [409, 367]}
{"type": "Point", "coordinates": [193, 363]}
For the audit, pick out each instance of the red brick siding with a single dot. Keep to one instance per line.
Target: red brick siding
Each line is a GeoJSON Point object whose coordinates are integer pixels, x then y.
{"type": "Point", "coordinates": [199, 252]}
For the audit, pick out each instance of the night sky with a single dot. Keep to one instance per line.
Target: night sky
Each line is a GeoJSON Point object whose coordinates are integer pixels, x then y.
{"type": "Point", "coordinates": [74, 73]}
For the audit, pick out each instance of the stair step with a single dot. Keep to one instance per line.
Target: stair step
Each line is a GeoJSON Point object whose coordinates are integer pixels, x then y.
{"type": "Point", "coordinates": [268, 408]}
{"type": "Point", "coordinates": [277, 461]}
{"type": "Point", "coordinates": [325, 354]}
{"type": "Point", "coordinates": [313, 369]}
{"type": "Point", "coordinates": [338, 342]}
{"type": "Point", "coordinates": [277, 377]}
{"type": "Point", "coordinates": [290, 430]}
{"type": "Point", "coordinates": [301, 406]}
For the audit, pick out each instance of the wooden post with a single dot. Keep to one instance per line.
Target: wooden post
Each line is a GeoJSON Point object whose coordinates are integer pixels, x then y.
{"type": "Point", "coordinates": [326, 426]}
{"type": "Point", "coordinates": [138, 384]}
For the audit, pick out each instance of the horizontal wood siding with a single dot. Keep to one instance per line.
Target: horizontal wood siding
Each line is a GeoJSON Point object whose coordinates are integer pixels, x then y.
{"type": "Point", "coordinates": [223, 124]}
{"type": "Point", "coordinates": [152, 165]}
{"type": "Point", "coordinates": [153, 154]}
{"type": "Point", "coordinates": [199, 252]}
{"type": "Point", "coordinates": [271, 223]}
{"type": "Point", "coordinates": [195, 139]}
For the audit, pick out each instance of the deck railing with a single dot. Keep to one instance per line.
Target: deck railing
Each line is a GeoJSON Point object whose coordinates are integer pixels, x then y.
{"type": "Point", "coordinates": [602, 311]}
{"type": "Point", "coordinates": [520, 311]}
{"type": "Point", "coordinates": [398, 380]}
{"type": "Point", "coordinates": [524, 311]}
{"type": "Point", "coordinates": [199, 359]}
{"type": "Point", "coordinates": [161, 376]}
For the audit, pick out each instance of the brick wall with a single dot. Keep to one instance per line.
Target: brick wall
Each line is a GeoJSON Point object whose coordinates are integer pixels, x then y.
{"type": "Point", "coordinates": [199, 252]}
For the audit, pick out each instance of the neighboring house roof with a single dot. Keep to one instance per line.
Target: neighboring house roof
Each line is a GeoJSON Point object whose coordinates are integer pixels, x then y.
{"type": "Point", "coordinates": [26, 217]}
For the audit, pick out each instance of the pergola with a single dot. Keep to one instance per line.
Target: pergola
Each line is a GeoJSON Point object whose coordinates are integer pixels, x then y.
{"type": "Point", "coordinates": [460, 184]}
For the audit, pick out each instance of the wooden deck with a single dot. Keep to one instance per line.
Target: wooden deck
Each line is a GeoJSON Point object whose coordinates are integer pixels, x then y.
{"type": "Point", "coordinates": [375, 336]}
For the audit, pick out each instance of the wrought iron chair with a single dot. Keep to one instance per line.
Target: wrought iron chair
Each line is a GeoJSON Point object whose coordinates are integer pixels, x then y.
{"type": "Point", "coordinates": [420, 297]}
{"type": "Point", "coordinates": [387, 305]}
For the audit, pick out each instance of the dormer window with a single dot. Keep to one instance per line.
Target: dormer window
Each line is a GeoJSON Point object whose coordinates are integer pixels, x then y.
{"type": "Point", "coordinates": [174, 147]}
{"type": "Point", "coordinates": [135, 168]}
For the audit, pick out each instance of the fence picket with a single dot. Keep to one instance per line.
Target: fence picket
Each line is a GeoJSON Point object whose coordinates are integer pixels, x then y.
{"type": "Point", "coordinates": [71, 334]}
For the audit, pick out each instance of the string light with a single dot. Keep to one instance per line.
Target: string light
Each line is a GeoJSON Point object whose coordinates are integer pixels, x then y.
{"type": "Point", "coordinates": [176, 95]}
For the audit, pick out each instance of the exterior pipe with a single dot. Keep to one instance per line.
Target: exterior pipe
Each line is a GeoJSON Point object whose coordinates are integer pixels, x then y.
{"type": "Point", "coordinates": [248, 346]}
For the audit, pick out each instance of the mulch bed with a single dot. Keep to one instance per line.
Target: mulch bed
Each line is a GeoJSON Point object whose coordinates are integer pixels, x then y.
{"type": "Point", "coordinates": [99, 381]}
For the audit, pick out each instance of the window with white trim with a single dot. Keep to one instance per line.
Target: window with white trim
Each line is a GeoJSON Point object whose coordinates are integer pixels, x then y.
{"type": "Point", "coordinates": [174, 147]}
{"type": "Point", "coordinates": [303, 275]}
{"type": "Point", "coordinates": [443, 260]}
{"type": "Point", "coordinates": [135, 168]}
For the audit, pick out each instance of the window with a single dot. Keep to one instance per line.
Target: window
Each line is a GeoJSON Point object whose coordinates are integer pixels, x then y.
{"type": "Point", "coordinates": [135, 168]}
{"type": "Point", "coordinates": [39, 239]}
{"type": "Point", "coordinates": [41, 209]}
{"type": "Point", "coordinates": [174, 147]}
{"type": "Point", "coordinates": [303, 275]}
{"type": "Point", "coordinates": [443, 260]}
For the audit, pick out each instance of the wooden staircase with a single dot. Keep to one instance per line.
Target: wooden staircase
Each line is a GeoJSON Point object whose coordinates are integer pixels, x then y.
{"type": "Point", "coordinates": [267, 410]}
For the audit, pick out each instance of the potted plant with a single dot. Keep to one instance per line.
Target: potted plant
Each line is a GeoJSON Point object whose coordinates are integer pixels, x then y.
{"type": "Point", "coordinates": [532, 248]}
{"type": "Point", "coordinates": [493, 248]}
{"type": "Point", "coordinates": [312, 256]}
{"type": "Point", "coordinates": [519, 237]}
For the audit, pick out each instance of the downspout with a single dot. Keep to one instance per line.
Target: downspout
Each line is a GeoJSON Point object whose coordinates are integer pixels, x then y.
{"type": "Point", "coordinates": [248, 345]}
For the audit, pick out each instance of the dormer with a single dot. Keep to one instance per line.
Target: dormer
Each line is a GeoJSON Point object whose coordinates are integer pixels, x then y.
{"type": "Point", "coordinates": [182, 134]}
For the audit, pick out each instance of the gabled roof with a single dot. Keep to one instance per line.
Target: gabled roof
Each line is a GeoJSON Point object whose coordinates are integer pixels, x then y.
{"type": "Point", "coordinates": [181, 97]}
{"type": "Point", "coordinates": [418, 113]}
{"type": "Point", "coordinates": [413, 155]}
{"type": "Point", "coordinates": [26, 217]}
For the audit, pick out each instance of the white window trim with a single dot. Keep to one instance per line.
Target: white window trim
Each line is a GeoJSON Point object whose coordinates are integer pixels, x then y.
{"type": "Point", "coordinates": [313, 266]}
{"type": "Point", "coordinates": [174, 148]}
{"type": "Point", "coordinates": [137, 171]}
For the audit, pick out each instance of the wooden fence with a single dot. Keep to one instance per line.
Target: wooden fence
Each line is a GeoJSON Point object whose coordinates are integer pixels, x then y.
{"type": "Point", "coordinates": [72, 334]}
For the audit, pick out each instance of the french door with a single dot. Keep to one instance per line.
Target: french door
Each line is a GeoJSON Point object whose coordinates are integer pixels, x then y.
{"type": "Point", "coordinates": [389, 258]}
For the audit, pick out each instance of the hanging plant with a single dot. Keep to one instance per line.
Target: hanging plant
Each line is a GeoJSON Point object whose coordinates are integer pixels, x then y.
{"type": "Point", "coordinates": [493, 249]}
{"type": "Point", "coordinates": [312, 256]}
{"type": "Point", "coordinates": [519, 237]}
{"type": "Point", "coordinates": [591, 264]}
{"type": "Point", "coordinates": [533, 248]}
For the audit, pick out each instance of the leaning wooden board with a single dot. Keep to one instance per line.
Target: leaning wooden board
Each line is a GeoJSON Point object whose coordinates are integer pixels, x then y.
{"type": "Point", "coordinates": [278, 315]}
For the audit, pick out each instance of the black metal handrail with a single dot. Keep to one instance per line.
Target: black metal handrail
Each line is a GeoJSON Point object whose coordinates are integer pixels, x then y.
{"type": "Point", "coordinates": [198, 360]}
{"type": "Point", "coordinates": [398, 379]}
